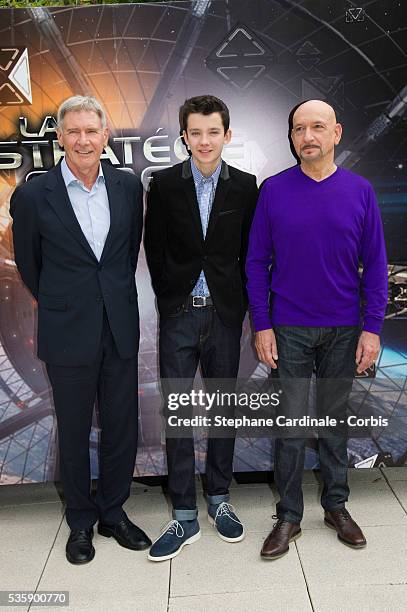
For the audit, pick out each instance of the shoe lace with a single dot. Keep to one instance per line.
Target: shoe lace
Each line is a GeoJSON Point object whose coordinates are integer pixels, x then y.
{"type": "Point", "coordinates": [279, 522]}
{"type": "Point", "coordinates": [82, 536]}
{"type": "Point", "coordinates": [225, 509]}
{"type": "Point", "coordinates": [174, 528]}
{"type": "Point", "coordinates": [343, 514]}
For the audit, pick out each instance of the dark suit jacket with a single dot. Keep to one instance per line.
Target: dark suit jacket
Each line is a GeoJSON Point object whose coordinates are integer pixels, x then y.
{"type": "Point", "coordinates": [176, 250]}
{"type": "Point", "coordinates": [60, 269]}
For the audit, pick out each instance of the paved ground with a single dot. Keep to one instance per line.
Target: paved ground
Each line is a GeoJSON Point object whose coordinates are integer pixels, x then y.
{"type": "Point", "coordinates": [319, 573]}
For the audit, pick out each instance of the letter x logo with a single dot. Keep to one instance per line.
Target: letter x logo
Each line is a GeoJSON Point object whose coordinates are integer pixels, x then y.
{"type": "Point", "coordinates": [15, 83]}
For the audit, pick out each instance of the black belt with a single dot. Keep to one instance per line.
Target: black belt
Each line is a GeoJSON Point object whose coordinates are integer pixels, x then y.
{"type": "Point", "coordinates": [199, 301]}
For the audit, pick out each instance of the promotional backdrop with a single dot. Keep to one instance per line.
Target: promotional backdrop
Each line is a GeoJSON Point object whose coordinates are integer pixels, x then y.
{"type": "Point", "coordinates": [141, 61]}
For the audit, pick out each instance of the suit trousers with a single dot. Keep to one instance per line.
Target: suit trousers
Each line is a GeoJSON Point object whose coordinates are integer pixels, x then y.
{"type": "Point", "coordinates": [112, 382]}
{"type": "Point", "coordinates": [189, 337]}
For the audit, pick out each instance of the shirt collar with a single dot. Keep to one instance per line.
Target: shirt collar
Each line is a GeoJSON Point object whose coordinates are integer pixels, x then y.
{"type": "Point", "coordinates": [70, 178]}
{"type": "Point", "coordinates": [198, 176]}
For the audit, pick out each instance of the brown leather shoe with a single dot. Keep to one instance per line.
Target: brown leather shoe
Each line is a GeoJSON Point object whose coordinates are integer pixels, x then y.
{"type": "Point", "coordinates": [277, 542]}
{"type": "Point", "coordinates": [348, 531]}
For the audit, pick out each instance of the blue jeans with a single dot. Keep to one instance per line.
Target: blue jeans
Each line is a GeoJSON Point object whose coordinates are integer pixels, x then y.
{"type": "Point", "coordinates": [189, 337]}
{"type": "Point", "coordinates": [331, 352]}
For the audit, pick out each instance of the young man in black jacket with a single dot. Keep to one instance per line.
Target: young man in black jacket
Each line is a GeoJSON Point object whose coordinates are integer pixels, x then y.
{"type": "Point", "coordinates": [198, 219]}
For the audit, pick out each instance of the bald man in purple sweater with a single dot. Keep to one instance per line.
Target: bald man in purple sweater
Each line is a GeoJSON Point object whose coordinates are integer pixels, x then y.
{"type": "Point", "coordinates": [313, 225]}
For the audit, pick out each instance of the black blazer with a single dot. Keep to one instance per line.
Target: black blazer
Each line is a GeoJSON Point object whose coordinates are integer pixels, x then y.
{"type": "Point", "coordinates": [175, 248]}
{"type": "Point", "coordinates": [60, 269]}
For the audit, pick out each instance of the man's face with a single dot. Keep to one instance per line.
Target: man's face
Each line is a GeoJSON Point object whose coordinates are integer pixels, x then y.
{"type": "Point", "coordinates": [315, 131]}
{"type": "Point", "coordinates": [206, 137]}
{"type": "Point", "coordinates": [83, 139]}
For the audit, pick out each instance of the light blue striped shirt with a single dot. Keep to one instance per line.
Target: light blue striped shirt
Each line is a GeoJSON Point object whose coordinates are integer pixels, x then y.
{"type": "Point", "coordinates": [91, 207]}
{"type": "Point", "coordinates": [205, 187]}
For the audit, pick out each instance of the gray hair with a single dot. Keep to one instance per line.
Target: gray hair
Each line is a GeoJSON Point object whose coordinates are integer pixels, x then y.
{"type": "Point", "coordinates": [79, 103]}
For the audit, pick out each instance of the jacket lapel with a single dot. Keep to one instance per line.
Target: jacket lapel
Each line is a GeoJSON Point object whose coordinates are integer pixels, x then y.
{"type": "Point", "coordinates": [117, 197]}
{"type": "Point", "coordinates": [58, 198]}
{"type": "Point", "coordinates": [221, 192]}
{"type": "Point", "coordinates": [189, 188]}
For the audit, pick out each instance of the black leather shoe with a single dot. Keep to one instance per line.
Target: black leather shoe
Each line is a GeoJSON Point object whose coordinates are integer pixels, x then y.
{"type": "Point", "coordinates": [126, 533]}
{"type": "Point", "coordinates": [79, 548]}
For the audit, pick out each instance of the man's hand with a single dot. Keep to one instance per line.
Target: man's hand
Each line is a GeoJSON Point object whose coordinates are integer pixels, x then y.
{"type": "Point", "coordinates": [266, 347]}
{"type": "Point", "coordinates": [367, 350]}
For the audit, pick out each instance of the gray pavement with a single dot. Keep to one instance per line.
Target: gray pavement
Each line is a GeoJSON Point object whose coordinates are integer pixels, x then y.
{"type": "Point", "coordinates": [319, 573]}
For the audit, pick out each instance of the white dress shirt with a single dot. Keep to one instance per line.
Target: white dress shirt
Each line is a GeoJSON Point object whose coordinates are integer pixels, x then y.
{"type": "Point", "coordinates": [91, 207]}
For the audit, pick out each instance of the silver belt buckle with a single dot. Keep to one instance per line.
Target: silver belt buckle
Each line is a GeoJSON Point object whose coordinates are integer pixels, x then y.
{"type": "Point", "coordinates": [198, 301]}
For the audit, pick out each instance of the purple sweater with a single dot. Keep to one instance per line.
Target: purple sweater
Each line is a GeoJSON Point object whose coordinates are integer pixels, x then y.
{"type": "Point", "coordinates": [306, 242]}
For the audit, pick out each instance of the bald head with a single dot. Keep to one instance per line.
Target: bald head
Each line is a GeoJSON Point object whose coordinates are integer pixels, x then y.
{"type": "Point", "coordinates": [315, 108]}
{"type": "Point", "coordinates": [315, 132]}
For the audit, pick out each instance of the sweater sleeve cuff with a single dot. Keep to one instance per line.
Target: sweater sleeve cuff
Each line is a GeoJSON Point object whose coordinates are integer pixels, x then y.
{"type": "Point", "coordinates": [261, 322]}
{"type": "Point", "coordinates": [373, 325]}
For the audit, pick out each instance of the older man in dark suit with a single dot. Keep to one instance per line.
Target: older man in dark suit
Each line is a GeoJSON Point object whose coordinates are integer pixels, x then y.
{"type": "Point", "coordinates": [77, 232]}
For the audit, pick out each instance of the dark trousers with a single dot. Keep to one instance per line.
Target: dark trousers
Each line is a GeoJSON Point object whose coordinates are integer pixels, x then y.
{"type": "Point", "coordinates": [331, 351]}
{"type": "Point", "coordinates": [187, 338]}
{"type": "Point", "coordinates": [113, 382]}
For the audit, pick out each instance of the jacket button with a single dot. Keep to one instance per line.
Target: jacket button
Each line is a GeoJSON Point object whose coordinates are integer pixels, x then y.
{"type": "Point", "coordinates": [192, 282]}
{"type": "Point", "coordinates": [205, 257]}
